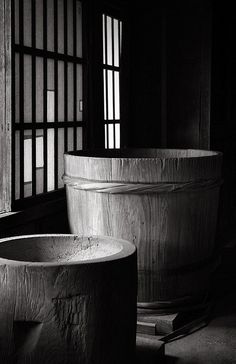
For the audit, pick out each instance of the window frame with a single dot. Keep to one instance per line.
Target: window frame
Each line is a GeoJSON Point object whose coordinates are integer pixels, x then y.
{"type": "Point", "coordinates": [109, 67]}
{"type": "Point", "coordinates": [93, 120]}
{"type": "Point", "coordinates": [44, 126]}
{"type": "Point", "coordinates": [120, 9]}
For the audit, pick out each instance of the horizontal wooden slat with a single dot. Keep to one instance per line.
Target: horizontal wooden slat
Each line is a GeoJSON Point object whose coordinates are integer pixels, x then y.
{"type": "Point", "coordinates": [54, 125]}
{"type": "Point", "coordinates": [46, 53]}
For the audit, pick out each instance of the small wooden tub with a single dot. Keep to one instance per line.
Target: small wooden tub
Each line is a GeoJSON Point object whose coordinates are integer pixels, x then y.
{"type": "Point", "coordinates": [67, 299]}
{"type": "Point", "coordinates": [163, 200]}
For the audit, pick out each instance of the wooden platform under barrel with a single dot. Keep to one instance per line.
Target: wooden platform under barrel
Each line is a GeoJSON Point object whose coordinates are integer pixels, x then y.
{"type": "Point", "coordinates": [165, 201]}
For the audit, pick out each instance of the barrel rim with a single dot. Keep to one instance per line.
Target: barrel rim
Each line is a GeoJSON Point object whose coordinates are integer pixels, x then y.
{"type": "Point", "coordinates": [91, 154]}
{"type": "Point", "coordinates": [127, 250]}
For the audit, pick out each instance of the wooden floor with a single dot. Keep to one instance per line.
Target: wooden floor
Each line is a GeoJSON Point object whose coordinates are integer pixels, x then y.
{"type": "Point", "coordinates": [215, 343]}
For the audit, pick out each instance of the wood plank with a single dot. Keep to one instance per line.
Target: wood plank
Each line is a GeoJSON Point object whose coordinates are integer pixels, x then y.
{"type": "Point", "coordinates": [146, 327]}
{"type": "Point", "coordinates": [149, 349]}
{"type": "Point", "coordinates": [155, 324]}
{"type": "Point", "coordinates": [160, 324]}
{"type": "Point", "coordinates": [5, 105]}
{"type": "Point", "coordinates": [205, 99]}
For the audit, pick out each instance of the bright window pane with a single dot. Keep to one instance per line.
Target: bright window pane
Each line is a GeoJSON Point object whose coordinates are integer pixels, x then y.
{"type": "Point", "coordinates": [39, 89]}
{"type": "Point", "coordinates": [116, 42]}
{"type": "Point", "coordinates": [70, 88]}
{"type": "Point", "coordinates": [60, 28]}
{"type": "Point", "coordinates": [50, 24]}
{"type": "Point", "coordinates": [70, 27]}
{"type": "Point", "coordinates": [27, 163]}
{"type": "Point", "coordinates": [79, 138]}
{"type": "Point", "coordinates": [17, 89]}
{"type": "Point", "coordinates": [39, 161]}
{"type": "Point", "coordinates": [27, 22]}
{"type": "Point", "coordinates": [60, 156]}
{"type": "Point", "coordinates": [109, 40]}
{"type": "Point", "coordinates": [70, 135]}
{"type": "Point", "coordinates": [110, 136]}
{"type": "Point", "coordinates": [117, 134]}
{"type": "Point", "coordinates": [78, 28]}
{"type": "Point", "coordinates": [39, 24]}
{"type": "Point", "coordinates": [27, 158]}
{"type": "Point", "coordinates": [112, 32]}
{"type": "Point", "coordinates": [39, 150]}
{"type": "Point", "coordinates": [103, 38]}
{"type": "Point", "coordinates": [50, 106]}
{"type": "Point", "coordinates": [105, 131]}
{"type": "Point", "coordinates": [50, 74]}
{"type": "Point", "coordinates": [79, 90]}
{"type": "Point", "coordinates": [61, 96]}
{"type": "Point", "coordinates": [17, 165]}
{"type": "Point", "coordinates": [17, 21]}
{"type": "Point", "coordinates": [27, 89]}
{"type": "Point", "coordinates": [105, 94]}
{"type": "Point", "coordinates": [117, 95]}
{"type": "Point", "coordinates": [120, 38]}
{"type": "Point", "coordinates": [110, 95]}
{"type": "Point", "coordinates": [50, 159]}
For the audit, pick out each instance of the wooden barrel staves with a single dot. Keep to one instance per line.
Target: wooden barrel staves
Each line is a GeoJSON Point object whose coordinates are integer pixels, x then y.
{"type": "Point", "coordinates": [163, 200]}
{"type": "Point", "coordinates": [67, 299]}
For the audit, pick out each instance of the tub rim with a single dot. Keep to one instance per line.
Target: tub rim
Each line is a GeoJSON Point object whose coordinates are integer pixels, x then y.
{"type": "Point", "coordinates": [127, 250]}
{"type": "Point", "coordinates": [91, 154]}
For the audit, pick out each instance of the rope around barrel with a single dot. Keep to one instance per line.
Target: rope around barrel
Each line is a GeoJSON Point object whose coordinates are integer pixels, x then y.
{"type": "Point", "coordinates": [138, 188]}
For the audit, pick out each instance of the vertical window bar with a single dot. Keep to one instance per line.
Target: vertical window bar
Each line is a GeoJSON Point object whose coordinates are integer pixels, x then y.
{"type": "Point", "coordinates": [45, 96]}
{"type": "Point", "coordinates": [21, 70]}
{"type": "Point", "coordinates": [56, 95]}
{"type": "Point", "coordinates": [119, 55]}
{"type": "Point", "coordinates": [103, 38]}
{"type": "Point", "coordinates": [33, 25]}
{"type": "Point", "coordinates": [75, 72]}
{"type": "Point", "coordinates": [13, 100]}
{"type": "Point", "coordinates": [119, 48]}
{"type": "Point", "coordinates": [119, 39]}
{"type": "Point", "coordinates": [65, 77]}
{"type": "Point", "coordinates": [106, 78]}
{"type": "Point", "coordinates": [113, 80]}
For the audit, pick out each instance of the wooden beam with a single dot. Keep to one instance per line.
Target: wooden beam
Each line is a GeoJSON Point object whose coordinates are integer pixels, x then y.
{"type": "Point", "coordinates": [5, 105]}
{"type": "Point", "coordinates": [205, 96]}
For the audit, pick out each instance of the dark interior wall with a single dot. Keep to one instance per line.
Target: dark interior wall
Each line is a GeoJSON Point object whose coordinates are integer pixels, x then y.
{"type": "Point", "coordinates": [170, 67]}
{"type": "Point", "coordinates": [188, 73]}
{"type": "Point", "coordinates": [145, 76]}
{"type": "Point", "coordinates": [44, 218]}
{"type": "Point", "coordinates": [223, 110]}
{"type": "Point", "coordinates": [182, 84]}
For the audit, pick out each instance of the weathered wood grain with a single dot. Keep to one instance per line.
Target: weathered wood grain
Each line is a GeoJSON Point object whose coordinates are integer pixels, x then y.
{"type": "Point", "coordinates": [56, 308]}
{"type": "Point", "coordinates": [174, 232]}
{"type": "Point", "coordinates": [5, 105]}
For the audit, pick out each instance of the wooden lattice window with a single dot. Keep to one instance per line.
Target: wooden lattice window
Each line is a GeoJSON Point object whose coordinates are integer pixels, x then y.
{"type": "Point", "coordinates": [47, 99]}
{"type": "Point", "coordinates": [112, 31]}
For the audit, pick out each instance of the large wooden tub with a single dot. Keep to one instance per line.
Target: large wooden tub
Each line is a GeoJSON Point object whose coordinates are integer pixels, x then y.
{"type": "Point", "coordinates": [163, 200]}
{"type": "Point", "coordinates": [67, 299]}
